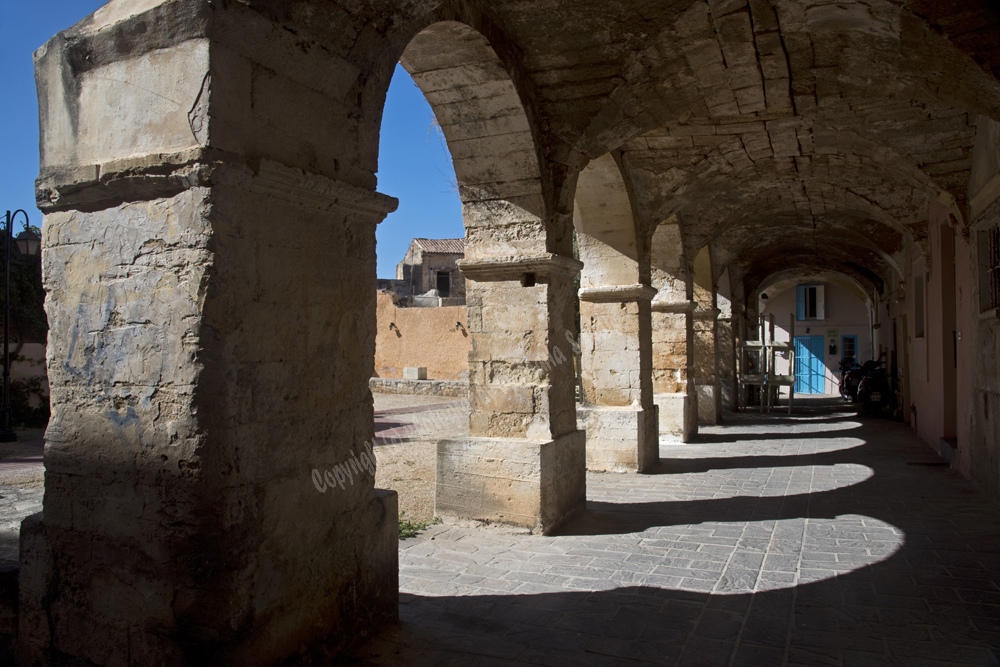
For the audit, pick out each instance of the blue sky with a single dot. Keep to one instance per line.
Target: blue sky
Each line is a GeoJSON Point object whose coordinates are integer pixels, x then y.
{"type": "Point", "coordinates": [414, 164]}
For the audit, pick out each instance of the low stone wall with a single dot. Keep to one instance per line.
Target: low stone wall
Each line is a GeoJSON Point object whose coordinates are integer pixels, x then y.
{"type": "Point", "coordinates": [456, 388]}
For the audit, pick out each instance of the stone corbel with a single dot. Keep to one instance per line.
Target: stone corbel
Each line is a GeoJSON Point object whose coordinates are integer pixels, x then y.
{"type": "Point", "coordinates": [673, 306]}
{"type": "Point", "coordinates": [617, 293]}
{"type": "Point", "coordinates": [707, 314]}
{"type": "Point", "coordinates": [517, 268]}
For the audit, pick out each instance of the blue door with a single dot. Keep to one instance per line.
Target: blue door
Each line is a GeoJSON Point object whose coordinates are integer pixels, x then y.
{"type": "Point", "coordinates": [810, 372]}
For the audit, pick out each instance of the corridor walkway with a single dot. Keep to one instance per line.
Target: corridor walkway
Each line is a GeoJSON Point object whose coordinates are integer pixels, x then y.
{"type": "Point", "coordinates": [822, 538]}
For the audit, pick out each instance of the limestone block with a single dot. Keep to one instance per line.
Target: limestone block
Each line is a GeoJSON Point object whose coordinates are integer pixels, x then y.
{"type": "Point", "coordinates": [620, 439]}
{"type": "Point", "coordinates": [503, 399]}
{"type": "Point", "coordinates": [537, 484]}
{"type": "Point", "coordinates": [672, 408]}
{"type": "Point", "coordinates": [415, 373]}
{"type": "Point", "coordinates": [708, 396]}
{"type": "Point", "coordinates": [150, 116]}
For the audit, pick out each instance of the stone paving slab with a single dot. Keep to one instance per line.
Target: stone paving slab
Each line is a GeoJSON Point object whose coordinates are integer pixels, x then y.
{"type": "Point", "coordinates": [821, 538]}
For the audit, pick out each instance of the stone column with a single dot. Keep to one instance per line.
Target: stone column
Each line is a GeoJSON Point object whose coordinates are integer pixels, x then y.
{"type": "Point", "coordinates": [209, 492]}
{"type": "Point", "coordinates": [673, 379]}
{"type": "Point", "coordinates": [618, 412]}
{"type": "Point", "coordinates": [725, 351]}
{"type": "Point", "coordinates": [524, 460]}
{"type": "Point", "coordinates": [706, 373]}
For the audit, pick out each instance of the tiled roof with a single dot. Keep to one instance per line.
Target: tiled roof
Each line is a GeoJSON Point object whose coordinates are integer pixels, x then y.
{"type": "Point", "coordinates": [450, 246]}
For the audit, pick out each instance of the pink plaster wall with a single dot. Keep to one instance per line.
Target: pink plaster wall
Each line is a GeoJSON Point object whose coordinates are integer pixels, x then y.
{"type": "Point", "coordinates": [928, 391]}
{"type": "Point", "coordinates": [422, 337]}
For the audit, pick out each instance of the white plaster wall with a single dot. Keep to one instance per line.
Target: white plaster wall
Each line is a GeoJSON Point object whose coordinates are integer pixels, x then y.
{"type": "Point", "coordinates": [844, 312]}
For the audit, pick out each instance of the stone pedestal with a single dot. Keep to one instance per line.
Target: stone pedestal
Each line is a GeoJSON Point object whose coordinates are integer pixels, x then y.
{"type": "Point", "coordinates": [672, 412]}
{"type": "Point", "coordinates": [621, 439]}
{"type": "Point", "coordinates": [538, 484]}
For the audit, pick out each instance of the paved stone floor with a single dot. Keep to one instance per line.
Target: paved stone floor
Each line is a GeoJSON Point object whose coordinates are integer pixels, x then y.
{"type": "Point", "coordinates": [21, 489]}
{"type": "Point", "coordinates": [821, 538]}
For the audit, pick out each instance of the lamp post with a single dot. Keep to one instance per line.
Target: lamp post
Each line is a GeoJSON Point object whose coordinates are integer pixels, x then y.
{"type": "Point", "coordinates": [28, 244]}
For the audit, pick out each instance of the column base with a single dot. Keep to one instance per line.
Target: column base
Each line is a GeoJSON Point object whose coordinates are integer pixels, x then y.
{"type": "Point", "coordinates": [368, 602]}
{"type": "Point", "coordinates": [537, 484]}
{"type": "Point", "coordinates": [620, 439]}
{"type": "Point", "coordinates": [674, 411]}
{"type": "Point", "coordinates": [709, 404]}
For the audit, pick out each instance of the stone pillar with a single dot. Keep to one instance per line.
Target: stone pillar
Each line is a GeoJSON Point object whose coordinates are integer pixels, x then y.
{"type": "Point", "coordinates": [524, 460]}
{"type": "Point", "coordinates": [209, 497]}
{"type": "Point", "coordinates": [673, 381]}
{"type": "Point", "coordinates": [706, 373]}
{"type": "Point", "coordinates": [618, 412]}
{"type": "Point", "coordinates": [725, 351]}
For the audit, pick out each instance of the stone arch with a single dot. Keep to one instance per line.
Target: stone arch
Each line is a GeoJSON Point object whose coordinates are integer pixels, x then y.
{"type": "Point", "coordinates": [489, 134]}
{"type": "Point", "coordinates": [851, 282]}
{"type": "Point", "coordinates": [834, 235]}
{"type": "Point", "coordinates": [606, 227]}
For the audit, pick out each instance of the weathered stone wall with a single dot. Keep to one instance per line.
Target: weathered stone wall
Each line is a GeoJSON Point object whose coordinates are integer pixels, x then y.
{"type": "Point", "coordinates": [426, 337]}
{"type": "Point", "coordinates": [456, 388]}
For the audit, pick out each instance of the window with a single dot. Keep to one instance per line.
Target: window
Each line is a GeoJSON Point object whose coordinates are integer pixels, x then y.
{"type": "Point", "coordinates": [918, 306]}
{"type": "Point", "coordinates": [989, 269]}
{"type": "Point", "coordinates": [809, 302]}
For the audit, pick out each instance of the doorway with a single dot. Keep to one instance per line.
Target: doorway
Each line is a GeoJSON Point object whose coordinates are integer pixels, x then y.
{"type": "Point", "coordinates": [810, 372]}
{"type": "Point", "coordinates": [849, 347]}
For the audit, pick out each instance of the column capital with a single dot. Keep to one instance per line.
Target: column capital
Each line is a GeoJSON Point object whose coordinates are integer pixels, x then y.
{"type": "Point", "coordinates": [707, 314]}
{"type": "Point", "coordinates": [673, 306]}
{"type": "Point", "coordinates": [513, 268]}
{"type": "Point", "coordinates": [617, 293]}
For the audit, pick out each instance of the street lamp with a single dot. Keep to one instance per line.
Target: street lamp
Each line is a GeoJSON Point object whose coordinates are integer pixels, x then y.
{"type": "Point", "coordinates": [27, 243]}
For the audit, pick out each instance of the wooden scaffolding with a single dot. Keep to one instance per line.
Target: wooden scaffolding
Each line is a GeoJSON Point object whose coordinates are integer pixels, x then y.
{"type": "Point", "coordinates": [758, 367]}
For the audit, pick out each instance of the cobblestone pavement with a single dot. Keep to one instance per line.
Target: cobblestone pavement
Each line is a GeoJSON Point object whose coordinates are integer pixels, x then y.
{"type": "Point", "coordinates": [821, 538]}
{"type": "Point", "coordinates": [21, 489]}
{"type": "Point", "coordinates": [406, 436]}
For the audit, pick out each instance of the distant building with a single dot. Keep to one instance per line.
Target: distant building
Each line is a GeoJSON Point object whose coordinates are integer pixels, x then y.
{"type": "Point", "coordinates": [429, 275]}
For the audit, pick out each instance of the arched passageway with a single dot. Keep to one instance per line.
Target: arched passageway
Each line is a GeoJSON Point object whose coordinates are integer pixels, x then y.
{"type": "Point", "coordinates": [202, 367]}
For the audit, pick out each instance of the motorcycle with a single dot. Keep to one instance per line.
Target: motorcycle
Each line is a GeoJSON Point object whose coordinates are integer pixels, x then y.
{"type": "Point", "coordinates": [849, 382]}
{"type": "Point", "coordinates": [875, 391]}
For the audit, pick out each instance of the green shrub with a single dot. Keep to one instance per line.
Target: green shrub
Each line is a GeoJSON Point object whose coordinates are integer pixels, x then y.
{"type": "Point", "coordinates": [21, 412]}
{"type": "Point", "coordinates": [408, 528]}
